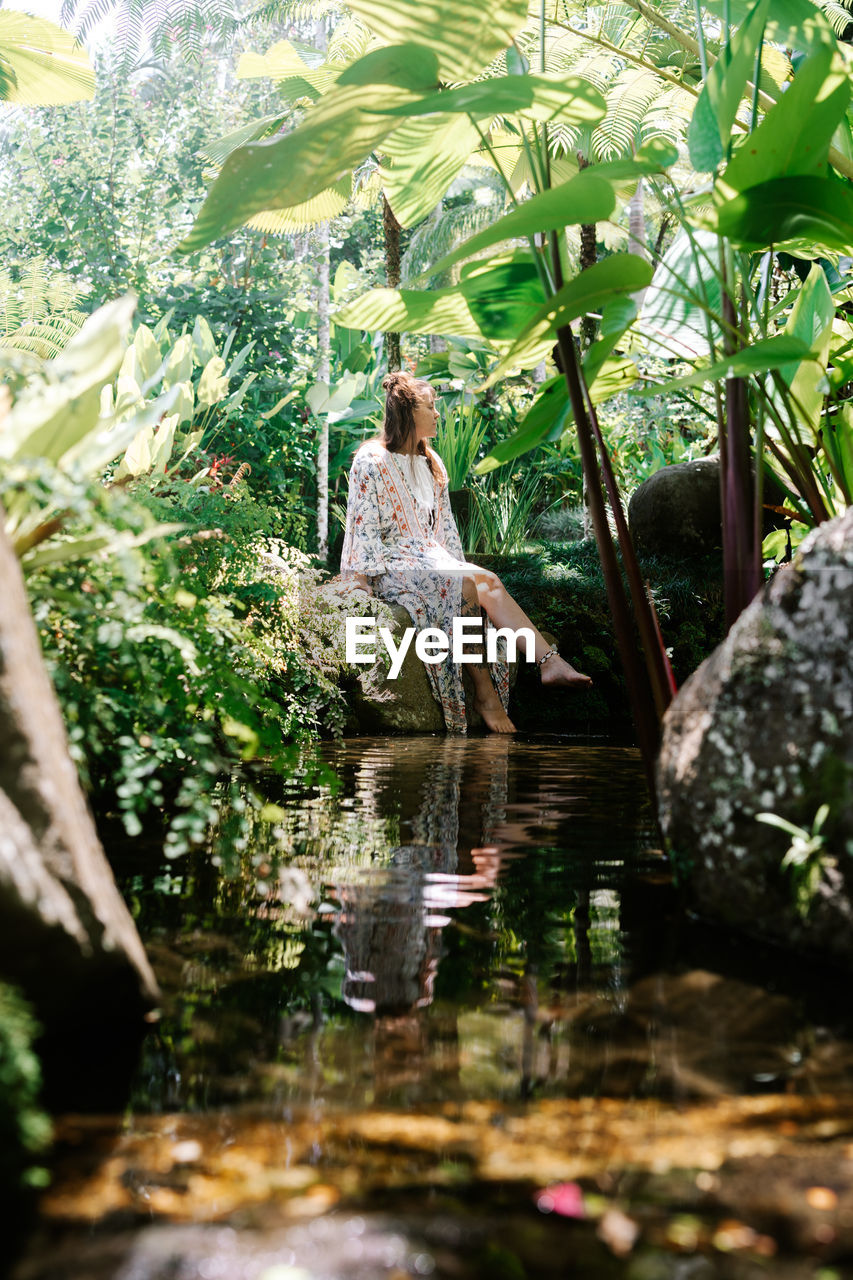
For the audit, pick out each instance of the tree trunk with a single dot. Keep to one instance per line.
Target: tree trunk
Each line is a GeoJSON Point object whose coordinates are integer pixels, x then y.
{"type": "Point", "coordinates": [66, 937]}
{"type": "Point", "coordinates": [323, 375]}
{"type": "Point", "coordinates": [588, 258]}
{"type": "Point", "coordinates": [637, 233]}
{"type": "Point", "coordinates": [392, 276]}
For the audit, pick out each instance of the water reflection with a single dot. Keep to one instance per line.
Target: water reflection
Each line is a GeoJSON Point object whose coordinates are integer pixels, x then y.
{"type": "Point", "coordinates": [430, 989]}
{"type": "Point", "coordinates": [452, 920]}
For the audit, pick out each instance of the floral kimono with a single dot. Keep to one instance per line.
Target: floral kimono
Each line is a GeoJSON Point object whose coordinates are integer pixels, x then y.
{"type": "Point", "coordinates": [413, 556]}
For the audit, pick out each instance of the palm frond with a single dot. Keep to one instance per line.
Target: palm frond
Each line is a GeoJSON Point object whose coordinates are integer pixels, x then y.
{"type": "Point", "coordinates": [44, 338]}
{"type": "Point", "coordinates": [839, 16]}
{"type": "Point", "coordinates": [218, 152]}
{"type": "Point", "coordinates": [349, 41]}
{"type": "Point", "coordinates": [441, 232]}
{"type": "Point", "coordinates": [328, 204]}
{"type": "Point", "coordinates": [628, 104]}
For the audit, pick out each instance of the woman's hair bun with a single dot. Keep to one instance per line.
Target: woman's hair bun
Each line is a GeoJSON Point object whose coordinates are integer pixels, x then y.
{"type": "Point", "coordinates": [401, 384]}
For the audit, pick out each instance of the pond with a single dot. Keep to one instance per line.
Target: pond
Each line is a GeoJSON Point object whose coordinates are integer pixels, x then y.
{"type": "Point", "coordinates": [443, 1016]}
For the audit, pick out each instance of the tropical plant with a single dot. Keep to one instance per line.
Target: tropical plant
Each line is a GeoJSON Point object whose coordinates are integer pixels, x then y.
{"type": "Point", "coordinates": [40, 63]}
{"type": "Point", "coordinates": [806, 856]}
{"type": "Point", "coordinates": [168, 626]}
{"type": "Point", "coordinates": [505, 514]}
{"type": "Point", "coordinates": [39, 312]}
{"type": "Point", "coordinates": [522, 300]}
{"type": "Point", "coordinates": [146, 29]}
{"type": "Point", "coordinates": [205, 406]}
{"type": "Point", "coordinates": [460, 438]}
{"type": "Point", "coordinates": [768, 364]}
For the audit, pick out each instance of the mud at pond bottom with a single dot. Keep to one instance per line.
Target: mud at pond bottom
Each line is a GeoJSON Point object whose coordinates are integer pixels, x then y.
{"type": "Point", "coordinates": [592, 1187]}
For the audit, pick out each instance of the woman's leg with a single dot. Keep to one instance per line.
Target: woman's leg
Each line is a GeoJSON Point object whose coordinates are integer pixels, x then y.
{"type": "Point", "coordinates": [486, 698]}
{"type": "Point", "coordinates": [503, 611]}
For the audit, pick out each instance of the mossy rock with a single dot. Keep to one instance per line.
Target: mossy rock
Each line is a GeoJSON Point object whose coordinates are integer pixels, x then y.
{"type": "Point", "coordinates": [765, 725]}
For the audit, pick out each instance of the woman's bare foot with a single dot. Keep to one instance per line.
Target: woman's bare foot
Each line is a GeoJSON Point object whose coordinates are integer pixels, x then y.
{"type": "Point", "coordinates": [491, 709]}
{"type": "Point", "coordinates": [555, 670]}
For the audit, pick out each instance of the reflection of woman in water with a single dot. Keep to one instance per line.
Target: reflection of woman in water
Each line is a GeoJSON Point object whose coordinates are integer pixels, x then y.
{"type": "Point", "coordinates": [402, 543]}
{"type": "Point", "coordinates": [391, 922]}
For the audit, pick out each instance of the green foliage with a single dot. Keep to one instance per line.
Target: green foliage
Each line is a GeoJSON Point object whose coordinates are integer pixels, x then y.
{"type": "Point", "coordinates": [40, 62]}
{"type": "Point", "coordinates": [39, 312]}
{"type": "Point", "coordinates": [25, 1130]}
{"type": "Point", "coordinates": [174, 658]}
{"type": "Point", "coordinates": [176, 661]}
{"type": "Point", "coordinates": [460, 439]}
{"type": "Point", "coordinates": [504, 513]}
{"type": "Point", "coordinates": [806, 856]}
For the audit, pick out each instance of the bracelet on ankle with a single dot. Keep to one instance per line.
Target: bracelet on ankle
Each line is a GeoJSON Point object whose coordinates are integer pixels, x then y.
{"type": "Point", "coordinates": [550, 654]}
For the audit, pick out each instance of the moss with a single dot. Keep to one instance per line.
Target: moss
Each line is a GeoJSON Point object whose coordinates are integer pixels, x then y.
{"type": "Point", "coordinates": [562, 588]}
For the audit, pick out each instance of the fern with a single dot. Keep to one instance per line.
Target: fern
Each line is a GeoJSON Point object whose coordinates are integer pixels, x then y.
{"type": "Point", "coordinates": [46, 338]}
{"type": "Point", "coordinates": [38, 312]}
{"type": "Point", "coordinates": [153, 27]}
{"type": "Point", "coordinates": [628, 103]}
{"type": "Point", "coordinates": [446, 228]}
{"type": "Point", "coordinates": [839, 16]}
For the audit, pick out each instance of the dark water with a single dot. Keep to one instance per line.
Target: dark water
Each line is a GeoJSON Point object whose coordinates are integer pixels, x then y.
{"type": "Point", "coordinates": [442, 1015]}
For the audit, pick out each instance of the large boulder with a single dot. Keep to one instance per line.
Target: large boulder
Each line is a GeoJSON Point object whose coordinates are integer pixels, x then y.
{"type": "Point", "coordinates": [403, 705]}
{"type": "Point", "coordinates": [676, 512]}
{"type": "Point", "coordinates": [379, 705]}
{"type": "Point", "coordinates": [66, 937]}
{"type": "Point", "coordinates": [766, 725]}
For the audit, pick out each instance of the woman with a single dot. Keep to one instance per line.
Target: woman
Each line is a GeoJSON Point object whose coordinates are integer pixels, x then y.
{"type": "Point", "coordinates": [402, 544]}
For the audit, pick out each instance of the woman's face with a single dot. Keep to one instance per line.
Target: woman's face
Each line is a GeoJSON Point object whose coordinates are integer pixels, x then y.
{"type": "Point", "coordinates": [425, 415]}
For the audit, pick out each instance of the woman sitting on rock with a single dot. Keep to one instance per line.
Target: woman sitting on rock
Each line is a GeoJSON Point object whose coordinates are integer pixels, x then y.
{"type": "Point", "coordinates": [402, 545]}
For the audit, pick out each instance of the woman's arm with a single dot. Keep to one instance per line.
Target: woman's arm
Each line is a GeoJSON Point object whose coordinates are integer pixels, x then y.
{"type": "Point", "coordinates": [362, 556]}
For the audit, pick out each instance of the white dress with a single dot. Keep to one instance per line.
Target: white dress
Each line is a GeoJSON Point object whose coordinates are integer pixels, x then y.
{"type": "Point", "coordinates": [400, 533]}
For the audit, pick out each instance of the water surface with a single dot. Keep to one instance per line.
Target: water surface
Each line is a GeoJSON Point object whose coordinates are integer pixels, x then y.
{"type": "Point", "coordinates": [443, 1006]}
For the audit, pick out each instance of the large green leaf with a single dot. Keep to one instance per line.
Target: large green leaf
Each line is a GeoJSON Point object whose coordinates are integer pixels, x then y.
{"type": "Point", "coordinates": [714, 114]}
{"type": "Point", "coordinates": [51, 418]}
{"type": "Point", "coordinates": [590, 291]}
{"type": "Point", "coordinates": [811, 321]}
{"type": "Point", "coordinates": [467, 37]}
{"type": "Point", "coordinates": [338, 132]}
{"type": "Point", "coordinates": [493, 301]}
{"type": "Point", "coordinates": [617, 317]}
{"type": "Point", "coordinates": [422, 159]}
{"type": "Point", "coordinates": [40, 63]}
{"type": "Point", "coordinates": [551, 412]}
{"type": "Point", "coordinates": [219, 150]}
{"type": "Point", "coordinates": [795, 135]}
{"type": "Point", "coordinates": [805, 215]}
{"type": "Point", "coordinates": [793, 24]}
{"type": "Point", "coordinates": [504, 294]}
{"type": "Point", "coordinates": [570, 100]}
{"type": "Point", "coordinates": [587, 197]}
{"type": "Point", "coordinates": [320, 208]}
{"type": "Point", "coordinates": [685, 290]}
{"type": "Point", "coordinates": [442, 311]}
{"type": "Point", "coordinates": [283, 64]}
{"type": "Point", "coordinates": [762, 357]}
{"type": "Point", "coordinates": [545, 419]}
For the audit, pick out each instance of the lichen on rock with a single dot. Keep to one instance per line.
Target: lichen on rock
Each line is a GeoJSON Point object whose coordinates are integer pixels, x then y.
{"type": "Point", "coordinates": [766, 724]}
